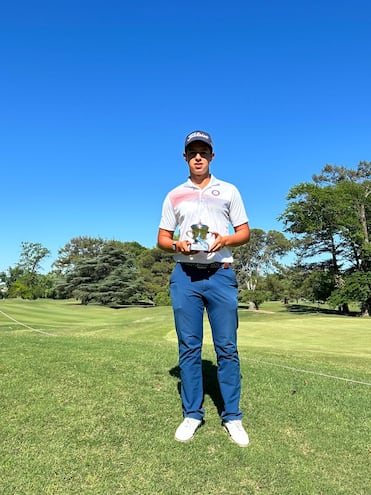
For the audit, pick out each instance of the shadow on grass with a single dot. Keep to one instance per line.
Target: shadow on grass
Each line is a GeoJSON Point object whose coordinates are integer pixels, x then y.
{"type": "Point", "coordinates": [210, 383]}
{"type": "Point", "coordinates": [306, 309]}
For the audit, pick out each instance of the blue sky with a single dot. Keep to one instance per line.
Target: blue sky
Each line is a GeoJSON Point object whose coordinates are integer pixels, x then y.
{"type": "Point", "coordinates": [97, 97]}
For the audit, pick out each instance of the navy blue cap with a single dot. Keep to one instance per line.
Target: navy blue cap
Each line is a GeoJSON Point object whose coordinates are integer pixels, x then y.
{"type": "Point", "coordinates": [198, 136]}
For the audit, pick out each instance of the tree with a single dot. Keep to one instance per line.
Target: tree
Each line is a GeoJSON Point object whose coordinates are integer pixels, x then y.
{"type": "Point", "coordinates": [31, 256]}
{"type": "Point", "coordinates": [253, 297]}
{"type": "Point", "coordinates": [155, 267]}
{"type": "Point", "coordinates": [24, 280]}
{"type": "Point", "coordinates": [312, 216]}
{"type": "Point", "coordinates": [357, 288]}
{"type": "Point", "coordinates": [277, 285]}
{"type": "Point", "coordinates": [76, 249]}
{"type": "Point", "coordinates": [293, 278]}
{"type": "Point", "coordinates": [111, 278]}
{"type": "Point", "coordinates": [12, 275]}
{"type": "Point", "coordinates": [259, 256]}
{"type": "Point", "coordinates": [332, 217]}
{"type": "Point", "coordinates": [354, 189]}
{"type": "Point", "coordinates": [318, 285]}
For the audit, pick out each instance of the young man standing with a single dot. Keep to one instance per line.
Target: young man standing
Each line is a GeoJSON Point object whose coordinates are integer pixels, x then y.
{"type": "Point", "coordinates": [204, 279]}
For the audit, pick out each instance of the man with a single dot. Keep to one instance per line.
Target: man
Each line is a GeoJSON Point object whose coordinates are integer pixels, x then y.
{"type": "Point", "coordinates": [204, 279]}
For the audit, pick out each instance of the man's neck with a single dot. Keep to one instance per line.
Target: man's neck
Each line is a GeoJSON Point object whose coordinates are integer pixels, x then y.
{"type": "Point", "coordinates": [200, 181]}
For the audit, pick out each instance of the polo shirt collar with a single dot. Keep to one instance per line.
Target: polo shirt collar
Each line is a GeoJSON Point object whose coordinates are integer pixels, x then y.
{"type": "Point", "coordinates": [213, 181]}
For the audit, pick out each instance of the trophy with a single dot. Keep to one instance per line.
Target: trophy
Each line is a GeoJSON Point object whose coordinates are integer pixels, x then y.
{"type": "Point", "coordinates": [199, 233]}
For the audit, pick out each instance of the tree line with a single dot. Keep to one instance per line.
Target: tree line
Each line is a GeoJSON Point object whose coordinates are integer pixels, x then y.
{"type": "Point", "coordinates": [326, 230]}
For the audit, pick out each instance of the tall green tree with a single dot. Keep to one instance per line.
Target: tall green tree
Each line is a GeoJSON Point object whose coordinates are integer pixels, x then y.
{"type": "Point", "coordinates": [111, 278]}
{"type": "Point", "coordinates": [332, 217]}
{"type": "Point", "coordinates": [353, 188]}
{"type": "Point", "coordinates": [312, 217]}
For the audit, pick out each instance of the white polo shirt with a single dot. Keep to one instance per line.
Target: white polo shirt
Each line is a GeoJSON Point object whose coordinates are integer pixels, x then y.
{"type": "Point", "coordinates": [218, 205]}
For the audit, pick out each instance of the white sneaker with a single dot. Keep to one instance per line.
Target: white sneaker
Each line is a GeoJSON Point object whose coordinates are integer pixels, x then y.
{"type": "Point", "coordinates": [187, 429]}
{"type": "Point", "coordinates": [237, 432]}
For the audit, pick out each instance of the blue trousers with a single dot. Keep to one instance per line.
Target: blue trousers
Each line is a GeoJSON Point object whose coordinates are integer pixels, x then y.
{"type": "Point", "coordinates": [192, 291]}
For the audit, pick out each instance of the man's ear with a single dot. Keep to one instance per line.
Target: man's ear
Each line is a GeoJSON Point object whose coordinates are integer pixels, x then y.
{"type": "Point", "coordinates": [185, 157]}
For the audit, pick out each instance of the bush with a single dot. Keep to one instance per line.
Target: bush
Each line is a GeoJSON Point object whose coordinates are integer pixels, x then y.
{"type": "Point", "coordinates": [162, 299]}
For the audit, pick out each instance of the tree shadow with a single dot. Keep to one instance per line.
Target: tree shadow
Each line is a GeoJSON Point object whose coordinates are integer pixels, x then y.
{"type": "Point", "coordinates": [210, 383]}
{"type": "Point", "coordinates": [307, 309]}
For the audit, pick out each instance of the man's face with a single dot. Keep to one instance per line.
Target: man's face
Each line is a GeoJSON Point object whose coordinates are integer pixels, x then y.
{"type": "Point", "coordinates": [198, 156]}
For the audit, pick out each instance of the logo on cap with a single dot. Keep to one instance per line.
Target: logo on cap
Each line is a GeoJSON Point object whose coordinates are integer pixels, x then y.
{"type": "Point", "coordinates": [199, 136]}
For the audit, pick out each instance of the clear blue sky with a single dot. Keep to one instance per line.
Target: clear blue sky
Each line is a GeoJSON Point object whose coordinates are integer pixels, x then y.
{"type": "Point", "coordinates": [97, 97]}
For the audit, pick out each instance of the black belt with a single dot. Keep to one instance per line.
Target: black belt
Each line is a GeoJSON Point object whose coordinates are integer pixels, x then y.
{"type": "Point", "coordinates": [206, 266]}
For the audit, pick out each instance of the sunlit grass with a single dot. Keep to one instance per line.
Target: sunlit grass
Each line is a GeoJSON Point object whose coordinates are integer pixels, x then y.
{"type": "Point", "coordinates": [93, 408]}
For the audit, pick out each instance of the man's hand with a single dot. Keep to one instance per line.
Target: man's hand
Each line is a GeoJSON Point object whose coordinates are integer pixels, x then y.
{"type": "Point", "coordinates": [218, 243]}
{"type": "Point", "coordinates": [184, 247]}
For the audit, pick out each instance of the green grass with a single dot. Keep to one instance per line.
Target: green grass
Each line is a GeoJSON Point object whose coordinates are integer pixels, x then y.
{"type": "Point", "coordinates": [92, 408]}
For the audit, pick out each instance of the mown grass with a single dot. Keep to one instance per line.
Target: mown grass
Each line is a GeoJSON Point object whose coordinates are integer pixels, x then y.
{"type": "Point", "coordinates": [92, 408]}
